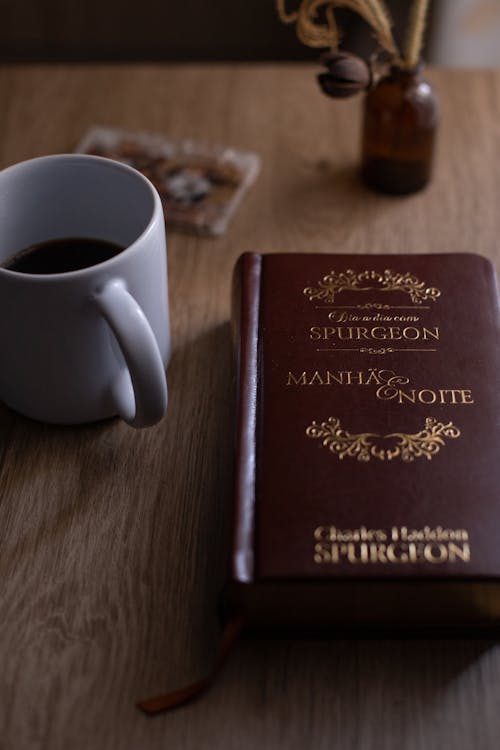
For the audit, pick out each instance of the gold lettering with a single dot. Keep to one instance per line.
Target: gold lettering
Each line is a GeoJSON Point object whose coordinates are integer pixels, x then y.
{"type": "Point", "coordinates": [363, 545]}
{"type": "Point", "coordinates": [322, 553]}
{"type": "Point", "coordinates": [432, 334]}
{"type": "Point", "coordinates": [347, 336]}
{"type": "Point", "coordinates": [408, 396]}
{"type": "Point", "coordinates": [415, 333]}
{"type": "Point", "coordinates": [413, 552]}
{"type": "Point", "coordinates": [315, 333]}
{"type": "Point", "coordinates": [387, 392]}
{"type": "Point", "coordinates": [316, 379]}
{"type": "Point", "coordinates": [395, 333]}
{"type": "Point", "coordinates": [377, 553]}
{"type": "Point", "coordinates": [424, 395]}
{"type": "Point", "coordinates": [431, 548]}
{"type": "Point", "coordinates": [336, 378]}
{"type": "Point", "coordinates": [462, 553]}
{"type": "Point", "coordinates": [375, 333]}
{"type": "Point", "coordinates": [338, 317]}
{"type": "Point", "coordinates": [373, 377]}
{"type": "Point", "coordinates": [428, 399]}
{"type": "Point", "coordinates": [391, 554]}
{"type": "Point", "coordinates": [321, 532]}
{"type": "Point", "coordinates": [292, 380]}
{"type": "Point", "coordinates": [357, 552]}
{"type": "Point", "coordinates": [354, 377]}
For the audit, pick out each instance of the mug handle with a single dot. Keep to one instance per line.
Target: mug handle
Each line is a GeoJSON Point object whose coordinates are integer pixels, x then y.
{"type": "Point", "coordinates": [144, 404]}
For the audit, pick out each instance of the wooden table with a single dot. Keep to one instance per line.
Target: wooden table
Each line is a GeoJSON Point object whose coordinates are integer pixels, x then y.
{"type": "Point", "coordinates": [113, 541]}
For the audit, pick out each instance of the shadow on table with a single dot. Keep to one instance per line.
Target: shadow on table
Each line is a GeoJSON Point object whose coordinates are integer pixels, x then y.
{"type": "Point", "coordinates": [351, 693]}
{"type": "Point", "coordinates": [325, 197]}
{"type": "Point", "coordinates": [187, 567]}
{"type": "Point", "coordinates": [106, 479]}
{"type": "Point", "coordinates": [115, 542]}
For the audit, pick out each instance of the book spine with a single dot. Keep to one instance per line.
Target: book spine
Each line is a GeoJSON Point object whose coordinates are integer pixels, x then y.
{"type": "Point", "coordinates": [245, 319]}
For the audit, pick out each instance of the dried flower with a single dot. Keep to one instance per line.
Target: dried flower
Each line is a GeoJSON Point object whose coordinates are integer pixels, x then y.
{"type": "Point", "coordinates": [316, 25]}
{"type": "Point", "coordinates": [347, 75]}
{"type": "Point", "coordinates": [415, 33]}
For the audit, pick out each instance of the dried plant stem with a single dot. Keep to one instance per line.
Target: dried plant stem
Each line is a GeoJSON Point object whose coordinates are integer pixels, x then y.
{"type": "Point", "coordinates": [415, 35]}
{"type": "Point", "coordinates": [315, 33]}
{"type": "Point", "coordinates": [310, 32]}
{"type": "Point", "coordinates": [382, 25]}
{"type": "Point", "coordinates": [332, 26]}
{"type": "Point", "coordinates": [284, 16]}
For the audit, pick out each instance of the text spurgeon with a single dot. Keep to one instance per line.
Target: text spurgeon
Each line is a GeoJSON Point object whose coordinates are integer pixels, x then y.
{"type": "Point", "coordinates": [375, 333]}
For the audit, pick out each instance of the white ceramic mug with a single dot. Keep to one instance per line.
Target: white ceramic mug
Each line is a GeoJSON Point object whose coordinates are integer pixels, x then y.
{"type": "Point", "coordinates": [84, 345]}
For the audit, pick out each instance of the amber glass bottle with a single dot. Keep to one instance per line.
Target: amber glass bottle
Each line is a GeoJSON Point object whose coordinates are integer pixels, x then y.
{"type": "Point", "coordinates": [400, 120]}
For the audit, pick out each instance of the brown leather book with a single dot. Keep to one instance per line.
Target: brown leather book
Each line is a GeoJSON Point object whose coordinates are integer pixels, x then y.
{"type": "Point", "coordinates": [368, 443]}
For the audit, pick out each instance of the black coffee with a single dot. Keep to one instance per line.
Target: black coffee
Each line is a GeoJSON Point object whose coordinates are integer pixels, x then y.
{"type": "Point", "coordinates": [61, 256]}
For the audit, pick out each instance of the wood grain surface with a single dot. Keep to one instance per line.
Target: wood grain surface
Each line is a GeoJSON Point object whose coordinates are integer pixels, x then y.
{"type": "Point", "coordinates": [113, 541]}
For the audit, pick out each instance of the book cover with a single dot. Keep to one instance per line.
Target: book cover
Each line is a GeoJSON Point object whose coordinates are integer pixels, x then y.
{"type": "Point", "coordinates": [367, 471]}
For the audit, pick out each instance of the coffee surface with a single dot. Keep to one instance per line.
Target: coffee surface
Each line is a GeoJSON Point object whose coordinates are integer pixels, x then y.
{"type": "Point", "coordinates": [61, 255]}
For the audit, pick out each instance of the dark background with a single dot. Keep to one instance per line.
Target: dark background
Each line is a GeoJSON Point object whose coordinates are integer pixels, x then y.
{"type": "Point", "coordinates": [183, 30]}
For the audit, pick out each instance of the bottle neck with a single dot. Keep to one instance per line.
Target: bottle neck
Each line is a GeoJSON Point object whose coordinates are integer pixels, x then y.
{"type": "Point", "coordinates": [406, 75]}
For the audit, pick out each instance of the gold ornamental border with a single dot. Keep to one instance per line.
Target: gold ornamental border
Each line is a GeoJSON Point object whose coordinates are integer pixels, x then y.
{"type": "Point", "coordinates": [367, 445]}
{"type": "Point", "coordinates": [335, 282]}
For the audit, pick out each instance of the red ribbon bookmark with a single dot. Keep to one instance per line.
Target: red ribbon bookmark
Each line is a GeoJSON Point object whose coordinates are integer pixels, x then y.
{"type": "Point", "coordinates": [188, 693]}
